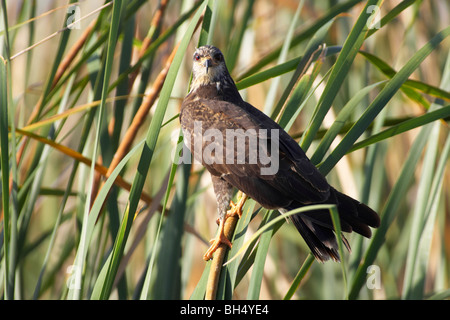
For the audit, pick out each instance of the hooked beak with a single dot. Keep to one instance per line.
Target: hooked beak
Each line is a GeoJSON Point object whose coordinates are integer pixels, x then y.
{"type": "Point", "coordinates": [207, 64]}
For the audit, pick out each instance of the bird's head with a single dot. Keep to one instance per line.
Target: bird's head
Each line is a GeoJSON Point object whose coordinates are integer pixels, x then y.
{"type": "Point", "coordinates": [208, 67]}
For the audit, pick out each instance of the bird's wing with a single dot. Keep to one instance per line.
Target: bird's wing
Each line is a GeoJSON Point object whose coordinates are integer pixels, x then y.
{"type": "Point", "coordinates": [293, 176]}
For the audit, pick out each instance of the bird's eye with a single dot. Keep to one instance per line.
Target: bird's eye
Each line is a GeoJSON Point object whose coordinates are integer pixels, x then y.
{"type": "Point", "coordinates": [218, 57]}
{"type": "Point", "coordinates": [196, 57]}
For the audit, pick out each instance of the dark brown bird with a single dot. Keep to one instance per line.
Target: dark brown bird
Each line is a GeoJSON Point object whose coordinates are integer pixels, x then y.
{"type": "Point", "coordinates": [241, 147]}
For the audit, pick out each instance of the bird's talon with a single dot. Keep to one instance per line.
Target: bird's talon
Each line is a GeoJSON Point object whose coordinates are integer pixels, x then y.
{"type": "Point", "coordinates": [236, 209]}
{"type": "Point", "coordinates": [218, 241]}
{"type": "Point", "coordinates": [215, 244]}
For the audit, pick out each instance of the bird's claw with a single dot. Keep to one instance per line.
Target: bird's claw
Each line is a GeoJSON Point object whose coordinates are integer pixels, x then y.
{"type": "Point", "coordinates": [235, 209]}
{"type": "Point", "coordinates": [215, 244]}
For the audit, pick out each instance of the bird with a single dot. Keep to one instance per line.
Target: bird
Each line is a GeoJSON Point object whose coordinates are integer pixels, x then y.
{"type": "Point", "coordinates": [220, 130]}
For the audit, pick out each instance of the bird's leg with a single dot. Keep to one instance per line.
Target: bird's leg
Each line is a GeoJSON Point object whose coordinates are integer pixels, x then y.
{"type": "Point", "coordinates": [223, 191]}
{"type": "Point", "coordinates": [221, 238]}
{"type": "Point", "coordinates": [236, 209]}
{"type": "Point", "coordinates": [218, 240]}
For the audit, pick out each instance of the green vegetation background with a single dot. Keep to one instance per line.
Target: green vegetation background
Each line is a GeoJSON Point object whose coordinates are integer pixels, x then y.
{"type": "Point", "coordinates": [364, 86]}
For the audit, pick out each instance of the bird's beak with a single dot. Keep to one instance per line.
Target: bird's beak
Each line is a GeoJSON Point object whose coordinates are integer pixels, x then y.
{"type": "Point", "coordinates": [207, 64]}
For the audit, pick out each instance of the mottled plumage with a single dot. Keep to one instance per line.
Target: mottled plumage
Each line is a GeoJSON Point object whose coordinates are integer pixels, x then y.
{"type": "Point", "coordinates": [215, 105]}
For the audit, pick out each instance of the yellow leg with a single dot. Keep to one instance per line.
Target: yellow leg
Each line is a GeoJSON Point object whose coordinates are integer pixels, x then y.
{"type": "Point", "coordinates": [215, 243]}
{"type": "Point", "coordinates": [236, 209]}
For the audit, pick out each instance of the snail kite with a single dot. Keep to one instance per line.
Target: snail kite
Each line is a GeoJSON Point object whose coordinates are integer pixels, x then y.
{"type": "Point", "coordinates": [241, 147]}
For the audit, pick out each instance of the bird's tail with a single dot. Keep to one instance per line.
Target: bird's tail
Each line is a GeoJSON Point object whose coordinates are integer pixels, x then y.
{"type": "Point", "coordinates": [316, 227]}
